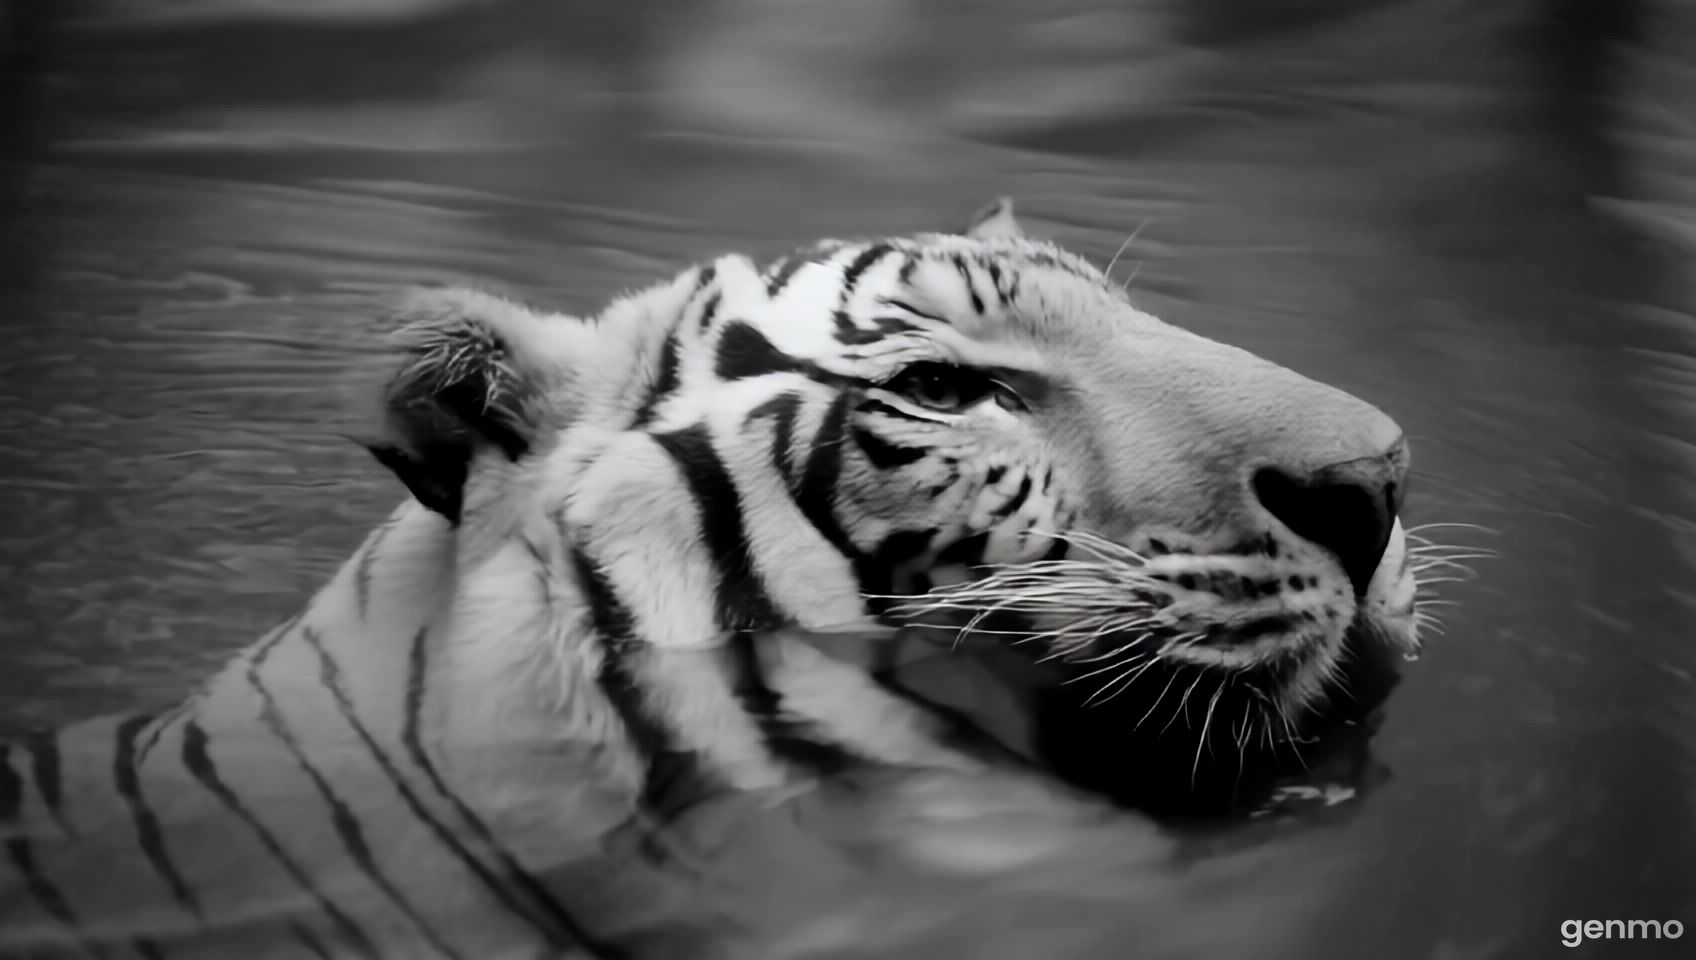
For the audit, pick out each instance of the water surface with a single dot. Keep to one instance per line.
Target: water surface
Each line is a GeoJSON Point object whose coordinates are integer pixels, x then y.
{"type": "Point", "coordinates": [1401, 201]}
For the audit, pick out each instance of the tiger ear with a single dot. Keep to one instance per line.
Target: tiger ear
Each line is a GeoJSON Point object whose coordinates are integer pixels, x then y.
{"type": "Point", "coordinates": [995, 221]}
{"type": "Point", "coordinates": [473, 372]}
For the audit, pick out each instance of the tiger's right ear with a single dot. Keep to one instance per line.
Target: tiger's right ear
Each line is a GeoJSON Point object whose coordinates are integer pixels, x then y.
{"type": "Point", "coordinates": [995, 221]}
{"type": "Point", "coordinates": [474, 372]}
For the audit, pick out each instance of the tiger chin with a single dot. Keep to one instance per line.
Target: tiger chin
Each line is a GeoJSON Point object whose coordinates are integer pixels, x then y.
{"type": "Point", "coordinates": [745, 529]}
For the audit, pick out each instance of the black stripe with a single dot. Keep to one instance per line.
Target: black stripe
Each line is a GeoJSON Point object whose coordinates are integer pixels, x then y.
{"type": "Point", "coordinates": [966, 275]}
{"type": "Point", "coordinates": [611, 619]}
{"type": "Point", "coordinates": [742, 601]}
{"type": "Point", "coordinates": [128, 782]}
{"type": "Point", "coordinates": [819, 477]}
{"type": "Point", "coordinates": [994, 271]}
{"type": "Point", "coordinates": [850, 334]}
{"type": "Point", "coordinates": [785, 272]}
{"type": "Point", "coordinates": [1067, 266]}
{"type": "Point", "coordinates": [666, 379]}
{"type": "Point", "coordinates": [665, 383]}
{"type": "Point", "coordinates": [745, 352]}
{"type": "Point", "coordinates": [148, 949]}
{"type": "Point", "coordinates": [915, 311]}
{"type": "Point", "coordinates": [45, 893]}
{"type": "Point", "coordinates": [704, 279]}
{"type": "Point", "coordinates": [329, 673]}
{"type": "Point", "coordinates": [948, 480]}
{"type": "Point", "coordinates": [1016, 501]}
{"type": "Point", "coordinates": [782, 409]}
{"type": "Point", "coordinates": [362, 572]}
{"type": "Point", "coordinates": [890, 326]}
{"type": "Point", "coordinates": [198, 761]}
{"type": "Point", "coordinates": [883, 454]}
{"type": "Point", "coordinates": [857, 267]}
{"type": "Point", "coordinates": [908, 265]}
{"type": "Point", "coordinates": [789, 738]}
{"type": "Point", "coordinates": [710, 311]}
{"type": "Point", "coordinates": [674, 779]}
{"type": "Point", "coordinates": [417, 666]}
{"type": "Point", "coordinates": [43, 750]}
{"type": "Point", "coordinates": [162, 725]}
{"type": "Point", "coordinates": [341, 817]}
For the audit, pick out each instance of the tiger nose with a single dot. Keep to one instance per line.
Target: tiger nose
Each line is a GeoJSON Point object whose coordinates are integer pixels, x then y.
{"type": "Point", "coordinates": [1349, 508]}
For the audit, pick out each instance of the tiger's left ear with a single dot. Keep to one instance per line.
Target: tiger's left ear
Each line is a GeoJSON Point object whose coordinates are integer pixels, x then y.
{"type": "Point", "coordinates": [995, 220]}
{"type": "Point", "coordinates": [474, 372]}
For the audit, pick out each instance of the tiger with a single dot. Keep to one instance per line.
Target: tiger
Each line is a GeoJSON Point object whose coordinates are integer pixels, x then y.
{"type": "Point", "coordinates": [737, 533]}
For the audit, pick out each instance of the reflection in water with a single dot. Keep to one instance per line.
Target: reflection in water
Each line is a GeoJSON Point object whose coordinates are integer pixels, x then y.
{"type": "Point", "coordinates": [208, 208]}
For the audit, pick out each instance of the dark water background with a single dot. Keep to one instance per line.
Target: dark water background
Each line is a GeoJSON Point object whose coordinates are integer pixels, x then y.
{"type": "Point", "coordinates": [1480, 216]}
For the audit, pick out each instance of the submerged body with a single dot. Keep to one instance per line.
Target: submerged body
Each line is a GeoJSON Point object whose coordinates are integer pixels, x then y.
{"type": "Point", "coordinates": [685, 550]}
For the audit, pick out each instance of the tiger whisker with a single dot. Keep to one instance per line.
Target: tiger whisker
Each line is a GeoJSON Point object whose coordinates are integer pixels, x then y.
{"type": "Point", "coordinates": [1241, 740]}
{"type": "Point", "coordinates": [1201, 741]}
{"type": "Point", "coordinates": [1158, 700]}
{"type": "Point", "coordinates": [1290, 736]}
{"type": "Point", "coordinates": [1436, 556]}
{"type": "Point", "coordinates": [1122, 247]}
{"type": "Point", "coordinates": [1100, 670]}
{"type": "Point", "coordinates": [951, 627]}
{"type": "Point", "coordinates": [1130, 667]}
{"type": "Point", "coordinates": [976, 619]}
{"type": "Point", "coordinates": [1063, 653]}
{"type": "Point", "coordinates": [1451, 564]}
{"type": "Point", "coordinates": [1451, 525]}
{"type": "Point", "coordinates": [1133, 678]}
{"type": "Point", "coordinates": [1183, 701]}
{"type": "Point", "coordinates": [1121, 683]}
{"type": "Point", "coordinates": [1126, 286]}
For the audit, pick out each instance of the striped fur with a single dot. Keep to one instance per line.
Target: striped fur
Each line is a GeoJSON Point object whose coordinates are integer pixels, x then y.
{"type": "Point", "coordinates": [660, 555]}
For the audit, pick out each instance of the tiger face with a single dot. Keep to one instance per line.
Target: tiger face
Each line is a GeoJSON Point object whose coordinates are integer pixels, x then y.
{"type": "Point", "coordinates": [976, 437]}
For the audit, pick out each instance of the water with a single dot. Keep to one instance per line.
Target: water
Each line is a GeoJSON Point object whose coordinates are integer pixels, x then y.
{"type": "Point", "coordinates": [1393, 201]}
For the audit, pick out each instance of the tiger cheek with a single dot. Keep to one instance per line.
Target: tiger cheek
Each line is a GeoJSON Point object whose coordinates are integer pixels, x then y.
{"type": "Point", "coordinates": [1012, 506]}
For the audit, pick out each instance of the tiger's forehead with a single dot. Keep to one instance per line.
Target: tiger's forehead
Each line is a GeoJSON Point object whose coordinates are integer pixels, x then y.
{"type": "Point", "coordinates": [970, 300]}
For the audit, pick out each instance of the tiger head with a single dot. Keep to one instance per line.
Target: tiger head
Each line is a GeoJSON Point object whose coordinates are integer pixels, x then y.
{"type": "Point", "coordinates": [974, 432]}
